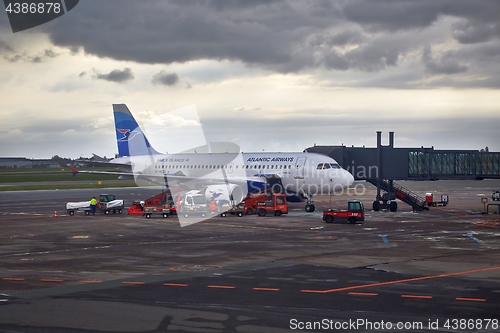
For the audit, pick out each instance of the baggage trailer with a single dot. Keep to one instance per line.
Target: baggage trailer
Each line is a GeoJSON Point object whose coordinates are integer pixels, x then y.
{"type": "Point", "coordinates": [163, 210]}
{"type": "Point", "coordinates": [355, 212]}
{"type": "Point", "coordinates": [238, 209]}
{"type": "Point", "coordinates": [82, 206]}
{"type": "Point", "coordinates": [107, 203]}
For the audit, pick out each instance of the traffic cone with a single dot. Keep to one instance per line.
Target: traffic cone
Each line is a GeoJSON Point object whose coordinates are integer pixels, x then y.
{"type": "Point", "coordinates": [55, 214]}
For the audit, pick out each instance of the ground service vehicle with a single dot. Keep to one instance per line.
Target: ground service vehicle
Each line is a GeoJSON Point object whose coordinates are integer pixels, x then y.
{"type": "Point", "coordinates": [275, 204]}
{"type": "Point", "coordinates": [159, 204]}
{"type": "Point", "coordinates": [429, 199]}
{"type": "Point", "coordinates": [495, 196]}
{"type": "Point", "coordinates": [238, 209]}
{"type": "Point", "coordinates": [107, 203]}
{"type": "Point", "coordinates": [355, 212]}
{"type": "Point", "coordinates": [246, 207]}
{"type": "Point", "coordinates": [192, 203]}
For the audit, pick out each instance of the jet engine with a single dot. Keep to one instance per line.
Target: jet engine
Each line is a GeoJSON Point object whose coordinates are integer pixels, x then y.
{"type": "Point", "coordinates": [225, 192]}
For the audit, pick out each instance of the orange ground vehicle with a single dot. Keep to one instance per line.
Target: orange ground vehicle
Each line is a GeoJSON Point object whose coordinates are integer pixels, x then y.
{"type": "Point", "coordinates": [275, 204]}
{"type": "Point", "coordinates": [355, 212]}
{"type": "Point", "coordinates": [159, 204]}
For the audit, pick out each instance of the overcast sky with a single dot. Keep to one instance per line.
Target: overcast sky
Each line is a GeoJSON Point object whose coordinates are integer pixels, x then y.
{"type": "Point", "coordinates": [267, 75]}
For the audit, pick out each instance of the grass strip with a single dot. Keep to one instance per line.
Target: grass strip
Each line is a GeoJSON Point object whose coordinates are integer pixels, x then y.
{"type": "Point", "coordinates": [63, 186]}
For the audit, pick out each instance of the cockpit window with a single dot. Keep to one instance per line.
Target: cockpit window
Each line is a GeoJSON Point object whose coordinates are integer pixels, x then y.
{"type": "Point", "coordinates": [320, 166]}
{"type": "Point", "coordinates": [326, 166]}
{"type": "Point", "coordinates": [335, 166]}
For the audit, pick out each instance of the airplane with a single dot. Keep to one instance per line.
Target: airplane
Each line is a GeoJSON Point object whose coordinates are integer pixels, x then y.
{"type": "Point", "coordinates": [300, 175]}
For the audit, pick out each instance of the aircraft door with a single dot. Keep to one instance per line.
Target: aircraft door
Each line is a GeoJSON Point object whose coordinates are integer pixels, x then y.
{"type": "Point", "coordinates": [230, 167]}
{"type": "Point", "coordinates": [299, 168]}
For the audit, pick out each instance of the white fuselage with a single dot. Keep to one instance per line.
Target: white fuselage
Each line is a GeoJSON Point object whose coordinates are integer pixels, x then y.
{"type": "Point", "coordinates": [301, 173]}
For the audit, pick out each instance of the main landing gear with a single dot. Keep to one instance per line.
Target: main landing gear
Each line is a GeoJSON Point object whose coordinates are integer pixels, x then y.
{"type": "Point", "coordinates": [309, 205]}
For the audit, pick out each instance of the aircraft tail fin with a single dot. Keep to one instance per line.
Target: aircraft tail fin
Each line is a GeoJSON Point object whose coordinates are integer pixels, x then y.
{"type": "Point", "coordinates": [130, 138]}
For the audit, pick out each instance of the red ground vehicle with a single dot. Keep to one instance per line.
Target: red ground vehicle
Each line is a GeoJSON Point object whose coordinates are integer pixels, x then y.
{"type": "Point", "coordinates": [247, 206]}
{"type": "Point", "coordinates": [429, 199]}
{"type": "Point", "coordinates": [252, 201]}
{"type": "Point", "coordinates": [275, 204]}
{"type": "Point", "coordinates": [161, 204]}
{"type": "Point", "coordinates": [355, 212]}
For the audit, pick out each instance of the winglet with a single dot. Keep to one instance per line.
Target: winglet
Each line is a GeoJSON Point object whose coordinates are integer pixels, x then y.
{"type": "Point", "coordinates": [73, 171]}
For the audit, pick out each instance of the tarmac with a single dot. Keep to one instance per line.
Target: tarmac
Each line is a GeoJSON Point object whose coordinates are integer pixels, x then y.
{"type": "Point", "coordinates": [435, 270]}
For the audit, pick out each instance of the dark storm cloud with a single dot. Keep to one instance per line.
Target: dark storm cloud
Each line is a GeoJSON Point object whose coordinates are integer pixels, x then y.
{"type": "Point", "coordinates": [116, 75]}
{"type": "Point", "coordinates": [166, 79]}
{"type": "Point", "coordinates": [280, 35]}
{"type": "Point", "coordinates": [480, 17]}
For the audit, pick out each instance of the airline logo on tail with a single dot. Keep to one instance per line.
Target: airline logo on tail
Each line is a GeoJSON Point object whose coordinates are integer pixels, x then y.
{"type": "Point", "coordinates": [127, 135]}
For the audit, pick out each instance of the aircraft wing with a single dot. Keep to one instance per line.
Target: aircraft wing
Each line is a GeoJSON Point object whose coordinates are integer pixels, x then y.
{"type": "Point", "coordinates": [102, 164]}
{"type": "Point", "coordinates": [179, 178]}
{"type": "Point", "coordinates": [75, 171]}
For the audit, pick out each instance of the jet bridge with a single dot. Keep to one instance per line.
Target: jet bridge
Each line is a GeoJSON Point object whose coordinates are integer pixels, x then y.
{"type": "Point", "coordinates": [382, 165]}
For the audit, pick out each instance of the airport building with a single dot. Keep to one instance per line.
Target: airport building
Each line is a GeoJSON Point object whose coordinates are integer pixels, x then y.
{"type": "Point", "coordinates": [15, 163]}
{"type": "Point", "coordinates": [382, 165]}
{"type": "Point", "coordinates": [23, 163]}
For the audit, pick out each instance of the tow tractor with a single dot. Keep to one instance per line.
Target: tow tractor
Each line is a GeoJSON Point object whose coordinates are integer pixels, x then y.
{"type": "Point", "coordinates": [429, 199]}
{"type": "Point", "coordinates": [107, 203]}
{"type": "Point", "coordinates": [276, 204]}
{"type": "Point", "coordinates": [355, 212]}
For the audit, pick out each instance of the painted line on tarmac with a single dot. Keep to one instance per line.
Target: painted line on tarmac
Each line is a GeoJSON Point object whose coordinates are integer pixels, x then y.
{"type": "Point", "coordinates": [352, 293]}
{"type": "Point", "coordinates": [221, 287]}
{"type": "Point", "coordinates": [51, 280]}
{"type": "Point", "coordinates": [488, 224]}
{"type": "Point", "coordinates": [90, 281]}
{"type": "Point", "coordinates": [361, 294]}
{"type": "Point", "coordinates": [266, 289]}
{"type": "Point", "coordinates": [470, 299]}
{"type": "Point", "coordinates": [416, 296]}
{"type": "Point", "coordinates": [176, 284]}
{"type": "Point", "coordinates": [401, 281]}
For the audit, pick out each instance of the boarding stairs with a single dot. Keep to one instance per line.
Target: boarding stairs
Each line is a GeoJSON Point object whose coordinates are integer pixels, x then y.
{"type": "Point", "coordinates": [417, 202]}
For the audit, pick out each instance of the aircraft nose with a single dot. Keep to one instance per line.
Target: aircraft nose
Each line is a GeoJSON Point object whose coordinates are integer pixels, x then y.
{"type": "Point", "coordinates": [348, 177]}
